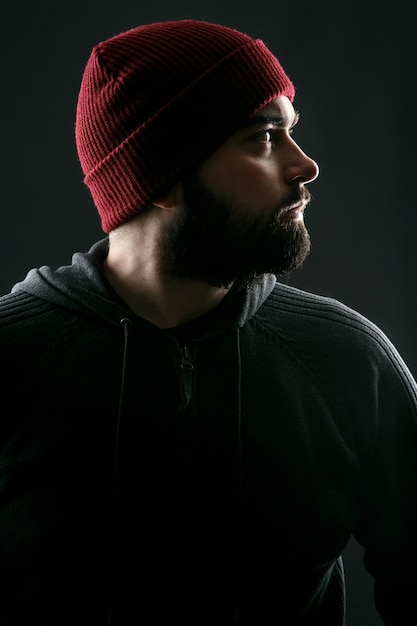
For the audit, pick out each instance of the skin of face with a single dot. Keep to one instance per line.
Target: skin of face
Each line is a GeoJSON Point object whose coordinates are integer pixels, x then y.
{"type": "Point", "coordinates": [240, 213]}
{"type": "Point", "coordinates": [259, 164]}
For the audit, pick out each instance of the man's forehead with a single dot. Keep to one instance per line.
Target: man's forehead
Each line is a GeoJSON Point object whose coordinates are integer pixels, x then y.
{"type": "Point", "coordinates": [280, 108]}
{"type": "Point", "coordinates": [279, 113]}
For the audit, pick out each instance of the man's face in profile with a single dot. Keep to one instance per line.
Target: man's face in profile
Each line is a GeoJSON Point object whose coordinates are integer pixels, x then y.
{"type": "Point", "coordinates": [242, 210]}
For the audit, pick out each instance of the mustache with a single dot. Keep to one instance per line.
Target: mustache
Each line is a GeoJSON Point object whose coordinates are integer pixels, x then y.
{"type": "Point", "coordinates": [297, 196]}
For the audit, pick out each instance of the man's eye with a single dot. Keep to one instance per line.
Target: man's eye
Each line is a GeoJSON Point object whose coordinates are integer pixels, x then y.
{"type": "Point", "coordinates": [264, 136]}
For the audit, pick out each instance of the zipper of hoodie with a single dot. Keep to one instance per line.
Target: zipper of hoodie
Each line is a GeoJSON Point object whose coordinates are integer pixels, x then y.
{"type": "Point", "coordinates": [187, 374]}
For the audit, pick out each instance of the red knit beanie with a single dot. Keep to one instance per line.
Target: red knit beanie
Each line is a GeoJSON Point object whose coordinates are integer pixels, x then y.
{"type": "Point", "coordinates": [156, 100]}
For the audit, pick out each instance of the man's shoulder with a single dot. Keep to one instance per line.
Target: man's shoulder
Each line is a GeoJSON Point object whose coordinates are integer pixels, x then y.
{"type": "Point", "coordinates": [28, 322]}
{"type": "Point", "coordinates": [328, 336]}
{"type": "Point", "coordinates": [289, 301]}
{"type": "Point", "coordinates": [304, 316]}
{"type": "Point", "coordinates": [19, 308]}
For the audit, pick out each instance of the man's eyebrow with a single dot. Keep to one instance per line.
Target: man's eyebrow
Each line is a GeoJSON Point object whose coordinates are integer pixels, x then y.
{"type": "Point", "coordinates": [274, 120]}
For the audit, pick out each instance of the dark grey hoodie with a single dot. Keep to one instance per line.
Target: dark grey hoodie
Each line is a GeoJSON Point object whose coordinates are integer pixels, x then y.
{"type": "Point", "coordinates": [207, 474]}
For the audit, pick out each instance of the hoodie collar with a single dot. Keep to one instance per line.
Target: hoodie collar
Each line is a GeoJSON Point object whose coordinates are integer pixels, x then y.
{"type": "Point", "coordinates": [82, 286]}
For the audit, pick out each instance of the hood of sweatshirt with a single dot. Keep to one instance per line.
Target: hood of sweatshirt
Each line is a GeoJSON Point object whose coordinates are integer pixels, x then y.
{"type": "Point", "coordinates": [82, 286]}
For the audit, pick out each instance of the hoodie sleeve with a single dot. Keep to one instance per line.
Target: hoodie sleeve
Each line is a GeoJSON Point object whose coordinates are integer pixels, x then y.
{"type": "Point", "coordinates": [387, 520]}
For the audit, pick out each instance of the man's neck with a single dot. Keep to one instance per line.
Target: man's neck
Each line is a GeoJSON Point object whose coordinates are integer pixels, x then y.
{"type": "Point", "coordinates": [163, 301]}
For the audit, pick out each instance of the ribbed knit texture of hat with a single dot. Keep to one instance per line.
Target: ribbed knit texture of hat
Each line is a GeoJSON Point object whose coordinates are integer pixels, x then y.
{"type": "Point", "coordinates": [157, 100]}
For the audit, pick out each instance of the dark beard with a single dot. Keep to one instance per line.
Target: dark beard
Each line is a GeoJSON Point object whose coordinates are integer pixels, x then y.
{"type": "Point", "coordinates": [219, 242]}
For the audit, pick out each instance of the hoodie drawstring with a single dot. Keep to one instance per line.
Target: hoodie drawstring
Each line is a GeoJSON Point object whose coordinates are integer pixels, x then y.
{"type": "Point", "coordinates": [239, 488]}
{"type": "Point", "coordinates": [125, 323]}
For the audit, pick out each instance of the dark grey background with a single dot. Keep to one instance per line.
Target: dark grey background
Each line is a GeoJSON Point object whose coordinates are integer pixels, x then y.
{"type": "Point", "coordinates": [353, 64]}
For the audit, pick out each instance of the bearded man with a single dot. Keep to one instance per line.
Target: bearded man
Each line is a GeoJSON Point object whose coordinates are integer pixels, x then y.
{"type": "Point", "coordinates": [184, 438]}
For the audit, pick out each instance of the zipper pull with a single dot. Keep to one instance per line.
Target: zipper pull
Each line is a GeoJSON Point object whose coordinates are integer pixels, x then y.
{"type": "Point", "coordinates": [187, 368]}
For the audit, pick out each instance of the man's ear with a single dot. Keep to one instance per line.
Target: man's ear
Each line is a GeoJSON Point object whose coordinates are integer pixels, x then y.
{"type": "Point", "coordinates": [170, 199]}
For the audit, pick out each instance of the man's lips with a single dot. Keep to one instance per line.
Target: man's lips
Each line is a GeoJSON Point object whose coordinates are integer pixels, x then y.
{"type": "Point", "coordinates": [296, 209]}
